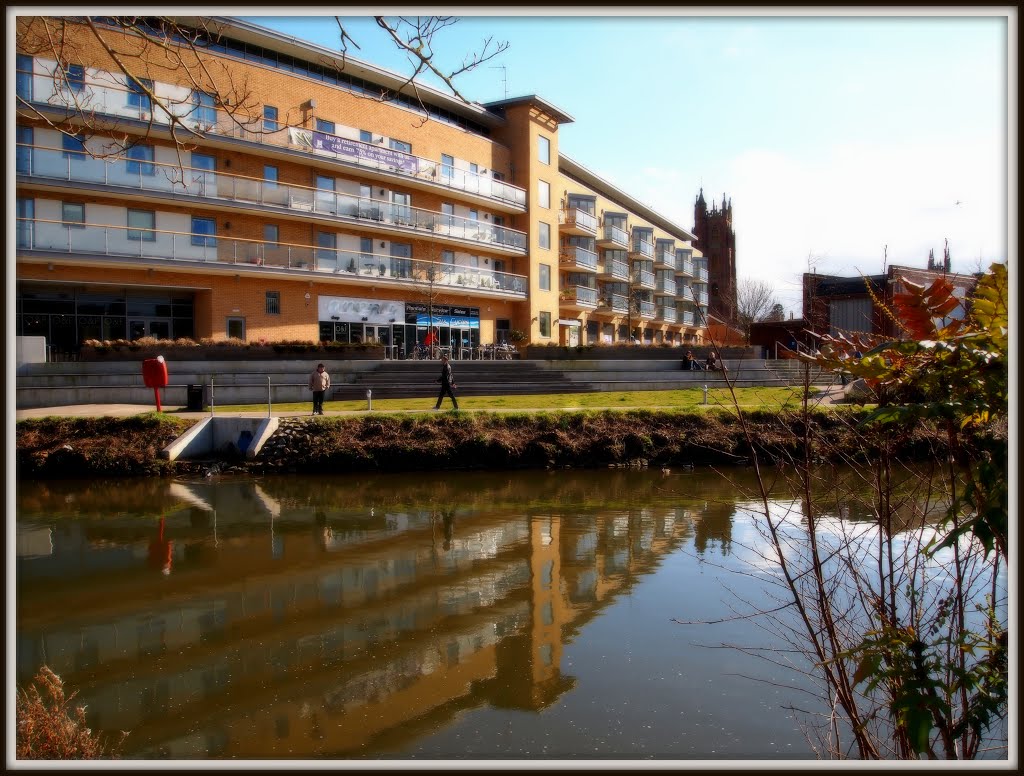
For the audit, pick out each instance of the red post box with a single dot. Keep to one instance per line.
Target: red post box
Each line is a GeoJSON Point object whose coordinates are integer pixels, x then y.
{"type": "Point", "coordinates": [154, 375]}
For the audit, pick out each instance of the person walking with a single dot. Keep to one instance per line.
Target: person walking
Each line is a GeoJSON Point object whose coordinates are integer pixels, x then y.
{"type": "Point", "coordinates": [447, 380]}
{"type": "Point", "coordinates": [319, 382]}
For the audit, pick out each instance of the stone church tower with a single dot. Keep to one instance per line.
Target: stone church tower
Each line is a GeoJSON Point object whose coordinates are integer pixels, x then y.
{"type": "Point", "coordinates": [717, 241]}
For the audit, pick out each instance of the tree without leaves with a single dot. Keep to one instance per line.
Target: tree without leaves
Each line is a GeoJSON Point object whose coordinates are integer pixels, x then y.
{"type": "Point", "coordinates": [140, 48]}
{"type": "Point", "coordinates": [755, 301]}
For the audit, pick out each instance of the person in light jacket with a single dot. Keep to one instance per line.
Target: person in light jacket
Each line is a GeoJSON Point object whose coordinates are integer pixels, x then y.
{"type": "Point", "coordinates": [319, 382]}
{"type": "Point", "coordinates": [447, 380]}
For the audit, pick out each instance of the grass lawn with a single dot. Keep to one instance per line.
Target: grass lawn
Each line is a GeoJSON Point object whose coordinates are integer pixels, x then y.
{"type": "Point", "coordinates": [690, 398]}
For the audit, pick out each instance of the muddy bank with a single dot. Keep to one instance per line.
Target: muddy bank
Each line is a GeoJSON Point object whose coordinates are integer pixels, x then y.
{"type": "Point", "coordinates": [113, 447]}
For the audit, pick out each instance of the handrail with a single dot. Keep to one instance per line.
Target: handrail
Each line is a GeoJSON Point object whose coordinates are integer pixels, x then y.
{"type": "Point", "coordinates": [208, 184]}
{"type": "Point", "coordinates": [110, 100]}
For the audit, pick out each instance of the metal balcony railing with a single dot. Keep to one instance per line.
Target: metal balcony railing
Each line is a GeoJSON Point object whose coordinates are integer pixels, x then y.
{"type": "Point", "coordinates": [667, 314]}
{"type": "Point", "coordinates": [684, 266]}
{"type": "Point", "coordinates": [685, 317]}
{"type": "Point", "coordinates": [666, 287]}
{"type": "Point", "coordinates": [643, 278]}
{"type": "Point", "coordinates": [616, 235]}
{"type": "Point", "coordinates": [580, 295]}
{"type": "Point", "coordinates": [684, 292]}
{"type": "Point", "coordinates": [668, 258]}
{"type": "Point", "coordinates": [701, 274]}
{"type": "Point", "coordinates": [147, 176]}
{"type": "Point", "coordinates": [616, 269]}
{"type": "Point", "coordinates": [614, 302]}
{"type": "Point", "coordinates": [145, 243]}
{"type": "Point", "coordinates": [642, 248]}
{"type": "Point", "coordinates": [119, 101]}
{"type": "Point", "coordinates": [647, 309]}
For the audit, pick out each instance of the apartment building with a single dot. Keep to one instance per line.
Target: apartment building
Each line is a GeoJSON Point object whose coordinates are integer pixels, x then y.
{"type": "Point", "coordinates": [258, 187]}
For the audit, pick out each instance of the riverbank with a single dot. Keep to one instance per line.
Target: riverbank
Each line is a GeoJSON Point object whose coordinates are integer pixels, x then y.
{"type": "Point", "coordinates": [69, 447]}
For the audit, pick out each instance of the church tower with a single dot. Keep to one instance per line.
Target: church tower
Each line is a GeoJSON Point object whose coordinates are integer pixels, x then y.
{"type": "Point", "coordinates": [717, 241]}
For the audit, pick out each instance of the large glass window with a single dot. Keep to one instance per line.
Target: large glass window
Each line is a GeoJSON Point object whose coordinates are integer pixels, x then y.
{"type": "Point", "coordinates": [72, 146]}
{"type": "Point", "coordinates": [322, 125]}
{"type": "Point", "coordinates": [26, 138]}
{"type": "Point", "coordinates": [75, 75]}
{"type": "Point", "coordinates": [139, 160]}
{"type": "Point", "coordinates": [543, 194]}
{"type": "Point", "coordinates": [448, 211]}
{"type": "Point", "coordinates": [204, 112]}
{"type": "Point", "coordinates": [365, 136]}
{"type": "Point", "coordinates": [447, 166]}
{"type": "Point", "coordinates": [73, 214]}
{"type": "Point", "coordinates": [204, 162]}
{"type": "Point", "coordinates": [137, 96]}
{"type": "Point", "coordinates": [543, 235]}
{"type": "Point", "coordinates": [271, 234]}
{"type": "Point", "coordinates": [401, 145]}
{"type": "Point", "coordinates": [203, 231]}
{"type": "Point", "coordinates": [23, 85]}
{"type": "Point", "coordinates": [544, 323]}
{"type": "Point", "coordinates": [326, 243]}
{"type": "Point", "coordinates": [269, 176]}
{"type": "Point", "coordinates": [543, 149]}
{"type": "Point", "coordinates": [544, 277]}
{"type": "Point", "coordinates": [269, 118]}
{"type": "Point", "coordinates": [141, 224]}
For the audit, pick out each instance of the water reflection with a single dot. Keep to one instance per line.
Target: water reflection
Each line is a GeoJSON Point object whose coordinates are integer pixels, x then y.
{"type": "Point", "coordinates": [305, 617]}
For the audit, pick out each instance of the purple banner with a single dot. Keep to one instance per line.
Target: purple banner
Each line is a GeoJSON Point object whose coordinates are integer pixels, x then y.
{"type": "Point", "coordinates": [345, 147]}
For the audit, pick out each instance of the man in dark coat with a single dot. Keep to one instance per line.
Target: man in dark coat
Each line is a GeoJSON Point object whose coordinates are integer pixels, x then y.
{"type": "Point", "coordinates": [447, 381]}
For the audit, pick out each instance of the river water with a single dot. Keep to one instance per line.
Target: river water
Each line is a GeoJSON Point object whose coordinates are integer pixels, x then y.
{"type": "Point", "coordinates": [533, 615]}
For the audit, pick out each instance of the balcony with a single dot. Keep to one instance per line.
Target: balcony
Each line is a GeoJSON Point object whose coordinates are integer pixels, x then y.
{"type": "Point", "coordinates": [613, 303]}
{"type": "Point", "coordinates": [614, 270]}
{"type": "Point", "coordinates": [283, 260]}
{"type": "Point", "coordinates": [685, 317]}
{"type": "Point", "coordinates": [665, 259]}
{"type": "Point", "coordinates": [216, 187]}
{"type": "Point", "coordinates": [641, 250]}
{"type": "Point", "coordinates": [701, 274]}
{"type": "Point", "coordinates": [643, 278]}
{"type": "Point", "coordinates": [701, 298]}
{"type": "Point", "coordinates": [647, 310]}
{"type": "Point", "coordinates": [118, 102]}
{"type": "Point", "coordinates": [574, 258]}
{"type": "Point", "coordinates": [613, 237]}
{"type": "Point", "coordinates": [665, 313]}
{"type": "Point", "coordinates": [579, 222]}
{"type": "Point", "coordinates": [665, 287]}
{"type": "Point", "coordinates": [683, 266]}
{"type": "Point", "coordinates": [578, 298]}
{"type": "Point", "coordinates": [684, 293]}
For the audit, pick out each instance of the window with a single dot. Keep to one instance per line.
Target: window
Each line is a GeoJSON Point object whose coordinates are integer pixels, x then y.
{"type": "Point", "coordinates": [204, 162]}
{"type": "Point", "coordinates": [325, 126]}
{"type": "Point", "coordinates": [448, 211]}
{"type": "Point", "coordinates": [236, 328]}
{"type": "Point", "coordinates": [447, 166]}
{"type": "Point", "coordinates": [543, 235]}
{"type": "Point", "coordinates": [448, 257]}
{"type": "Point", "coordinates": [203, 111]}
{"type": "Point", "coordinates": [273, 302]}
{"type": "Point", "coordinates": [24, 77]}
{"type": "Point", "coordinates": [271, 234]}
{"type": "Point", "coordinates": [365, 137]}
{"type": "Point", "coordinates": [543, 194]}
{"type": "Point", "coordinates": [75, 75]}
{"type": "Point", "coordinates": [269, 176]}
{"type": "Point", "coordinates": [366, 249]}
{"type": "Point", "coordinates": [137, 97]}
{"type": "Point", "coordinates": [326, 243]}
{"type": "Point", "coordinates": [324, 183]}
{"type": "Point", "coordinates": [269, 118]}
{"type": "Point", "coordinates": [73, 146]}
{"type": "Point", "coordinates": [544, 278]}
{"type": "Point", "coordinates": [203, 230]}
{"type": "Point", "coordinates": [26, 209]}
{"type": "Point", "coordinates": [544, 321]}
{"type": "Point", "coordinates": [140, 225]}
{"type": "Point", "coordinates": [73, 214]}
{"type": "Point", "coordinates": [140, 160]}
{"type": "Point", "coordinates": [399, 145]}
{"type": "Point", "coordinates": [543, 149]}
{"type": "Point", "coordinates": [474, 215]}
{"type": "Point", "coordinates": [25, 137]}
{"type": "Point", "coordinates": [473, 168]}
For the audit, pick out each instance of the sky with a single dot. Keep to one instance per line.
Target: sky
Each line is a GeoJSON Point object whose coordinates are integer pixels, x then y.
{"type": "Point", "coordinates": [844, 143]}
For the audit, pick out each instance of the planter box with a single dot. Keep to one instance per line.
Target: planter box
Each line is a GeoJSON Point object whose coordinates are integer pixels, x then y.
{"type": "Point", "coordinates": [228, 353]}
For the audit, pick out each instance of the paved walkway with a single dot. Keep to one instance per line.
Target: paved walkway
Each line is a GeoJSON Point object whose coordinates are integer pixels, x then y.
{"type": "Point", "coordinates": [833, 395]}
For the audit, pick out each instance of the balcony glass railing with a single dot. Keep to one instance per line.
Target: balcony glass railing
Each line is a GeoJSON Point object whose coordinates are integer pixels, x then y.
{"type": "Point", "coordinates": [701, 274]}
{"type": "Point", "coordinates": [154, 177]}
{"type": "Point", "coordinates": [616, 235]}
{"type": "Point", "coordinates": [642, 248]}
{"type": "Point", "coordinates": [701, 298]}
{"type": "Point", "coordinates": [685, 317]}
{"type": "Point", "coordinates": [668, 258]}
{"type": "Point", "coordinates": [614, 302]}
{"type": "Point", "coordinates": [647, 309]}
{"type": "Point", "coordinates": [684, 266]}
{"type": "Point", "coordinates": [666, 287]}
{"type": "Point", "coordinates": [581, 295]}
{"type": "Point", "coordinates": [616, 269]}
{"type": "Point", "coordinates": [136, 242]}
{"type": "Point", "coordinates": [121, 102]}
{"type": "Point", "coordinates": [581, 257]}
{"type": "Point", "coordinates": [667, 314]}
{"type": "Point", "coordinates": [643, 278]}
{"type": "Point", "coordinates": [684, 292]}
{"type": "Point", "coordinates": [580, 218]}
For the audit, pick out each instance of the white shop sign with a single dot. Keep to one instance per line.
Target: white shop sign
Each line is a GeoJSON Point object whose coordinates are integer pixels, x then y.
{"type": "Point", "coordinates": [343, 308]}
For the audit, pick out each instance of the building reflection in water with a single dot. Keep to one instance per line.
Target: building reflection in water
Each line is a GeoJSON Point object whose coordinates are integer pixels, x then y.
{"type": "Point", "coordinates": [287, 618]}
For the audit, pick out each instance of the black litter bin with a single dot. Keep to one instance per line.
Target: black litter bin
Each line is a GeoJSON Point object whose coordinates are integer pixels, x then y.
{"type": "Point", "coordinates": [194, 398]}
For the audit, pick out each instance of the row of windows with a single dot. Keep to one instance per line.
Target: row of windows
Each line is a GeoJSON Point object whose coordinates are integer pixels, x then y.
{"type": "Point", "coordinates": [324, 73]}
